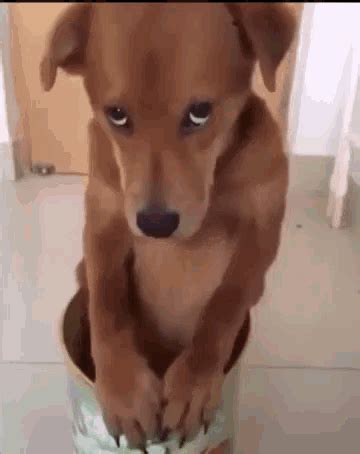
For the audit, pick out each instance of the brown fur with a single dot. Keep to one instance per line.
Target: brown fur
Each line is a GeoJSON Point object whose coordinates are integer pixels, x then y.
{"type": "Point", "coordinates": [168, 316]}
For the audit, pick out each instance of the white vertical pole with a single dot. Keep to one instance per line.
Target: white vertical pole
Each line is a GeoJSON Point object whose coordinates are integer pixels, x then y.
{"type": "Point", "coordinates": [339, 181]}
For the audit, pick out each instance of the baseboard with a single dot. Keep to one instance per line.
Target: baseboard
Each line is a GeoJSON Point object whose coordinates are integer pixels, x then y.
{"type": "Point", "coordinates": [15, 160]}
{"type": "Point", "coordinates": [352, 206]}
{"type": "Point", "coordinates": [310, 173]}
{"type": "Point", "coordinates": [307, 173]}
{"type": "Point", "coordinates": [7, 166]}
{"type": "Point", "coordinates": [356, 178]}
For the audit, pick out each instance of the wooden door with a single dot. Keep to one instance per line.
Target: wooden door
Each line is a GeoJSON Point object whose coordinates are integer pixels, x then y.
{"type": "Point", "coordinates": [55, 123]}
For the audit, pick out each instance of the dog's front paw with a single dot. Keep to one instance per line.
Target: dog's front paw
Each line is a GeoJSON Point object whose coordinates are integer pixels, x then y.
{"type": "Point", "coordinates": [191, 398]}
{"type": "Point", "coordinates": [129, 394]}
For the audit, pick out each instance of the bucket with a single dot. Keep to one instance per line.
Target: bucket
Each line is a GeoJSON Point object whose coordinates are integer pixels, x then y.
{"type": "Point", "coordinates": [90, 435]}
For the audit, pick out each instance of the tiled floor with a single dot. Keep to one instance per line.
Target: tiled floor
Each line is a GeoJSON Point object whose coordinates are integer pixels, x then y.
{"type": "Point", "coordinates": [300, 390]}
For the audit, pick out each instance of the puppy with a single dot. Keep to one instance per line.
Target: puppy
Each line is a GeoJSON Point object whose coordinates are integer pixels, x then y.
{"type": "Point", "coordinates": [185, 201]}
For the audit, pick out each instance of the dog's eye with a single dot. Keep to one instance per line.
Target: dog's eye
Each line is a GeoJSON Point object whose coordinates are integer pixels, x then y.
{"type": "Point", "coordinates": [197, 115]}
{"type": "Point", "coordinates": [118, 117]}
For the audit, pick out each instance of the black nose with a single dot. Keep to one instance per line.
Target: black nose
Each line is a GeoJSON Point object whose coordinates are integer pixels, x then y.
{"type": "Point", "coordinates": [157, 223]}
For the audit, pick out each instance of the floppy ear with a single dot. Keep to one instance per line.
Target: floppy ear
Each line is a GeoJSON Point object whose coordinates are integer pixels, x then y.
{"type": "Point", "coordinates": [270, 29]}
{"type": "Point", "coordinates": [66, 46]}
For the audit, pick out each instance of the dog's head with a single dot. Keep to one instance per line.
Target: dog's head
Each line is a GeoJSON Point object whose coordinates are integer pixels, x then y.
{"type": "Point", "coordinates": [167, 83]}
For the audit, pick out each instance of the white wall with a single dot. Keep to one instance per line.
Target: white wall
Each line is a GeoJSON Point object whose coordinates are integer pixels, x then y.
{"type": "Point", "coordinates": [321, 78]}
{"type": "Point", "coordinates": [9, 114]}
{"type": "Point", "coordinates": [4, 128]}
{"type": "Point", "coordinates": [355, 164]}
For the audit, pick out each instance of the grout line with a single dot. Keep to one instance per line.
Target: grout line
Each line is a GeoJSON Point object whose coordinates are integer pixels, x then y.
{"type": "Point", "coordinates": [248, 366]}
{"type": "Point", "coordinates": [32, 363]}
{"type": "Point", "coordinates": [304, 367]}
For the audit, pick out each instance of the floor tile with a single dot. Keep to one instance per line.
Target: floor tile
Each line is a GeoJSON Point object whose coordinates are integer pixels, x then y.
{"type": "Point", "coordinates": [292, 411]}
{"type": "Point", "coordinates": [35, 415]}
{"type": "Point", "coordinates": [311, 311]}
{"type": "Point", "coordinates": [42, 223]}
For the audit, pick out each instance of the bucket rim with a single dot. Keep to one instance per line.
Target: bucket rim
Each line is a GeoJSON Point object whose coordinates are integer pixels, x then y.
{"type": "Point", "coordinates": [72, 369]}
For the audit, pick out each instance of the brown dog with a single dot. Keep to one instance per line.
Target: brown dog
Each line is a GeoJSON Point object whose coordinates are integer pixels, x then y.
{"type": "Point", "coordinates": [186, 196]}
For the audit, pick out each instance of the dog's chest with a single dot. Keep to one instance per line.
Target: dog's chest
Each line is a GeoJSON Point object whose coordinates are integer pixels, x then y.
{"type": "Point", "coordinates": [175, 283]}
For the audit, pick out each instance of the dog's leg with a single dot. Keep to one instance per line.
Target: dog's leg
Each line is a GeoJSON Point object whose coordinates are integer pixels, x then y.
{"type": "Point", "coordinates": [126, 388]}
{"type": "Point", "coordinates": [193, 384]}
